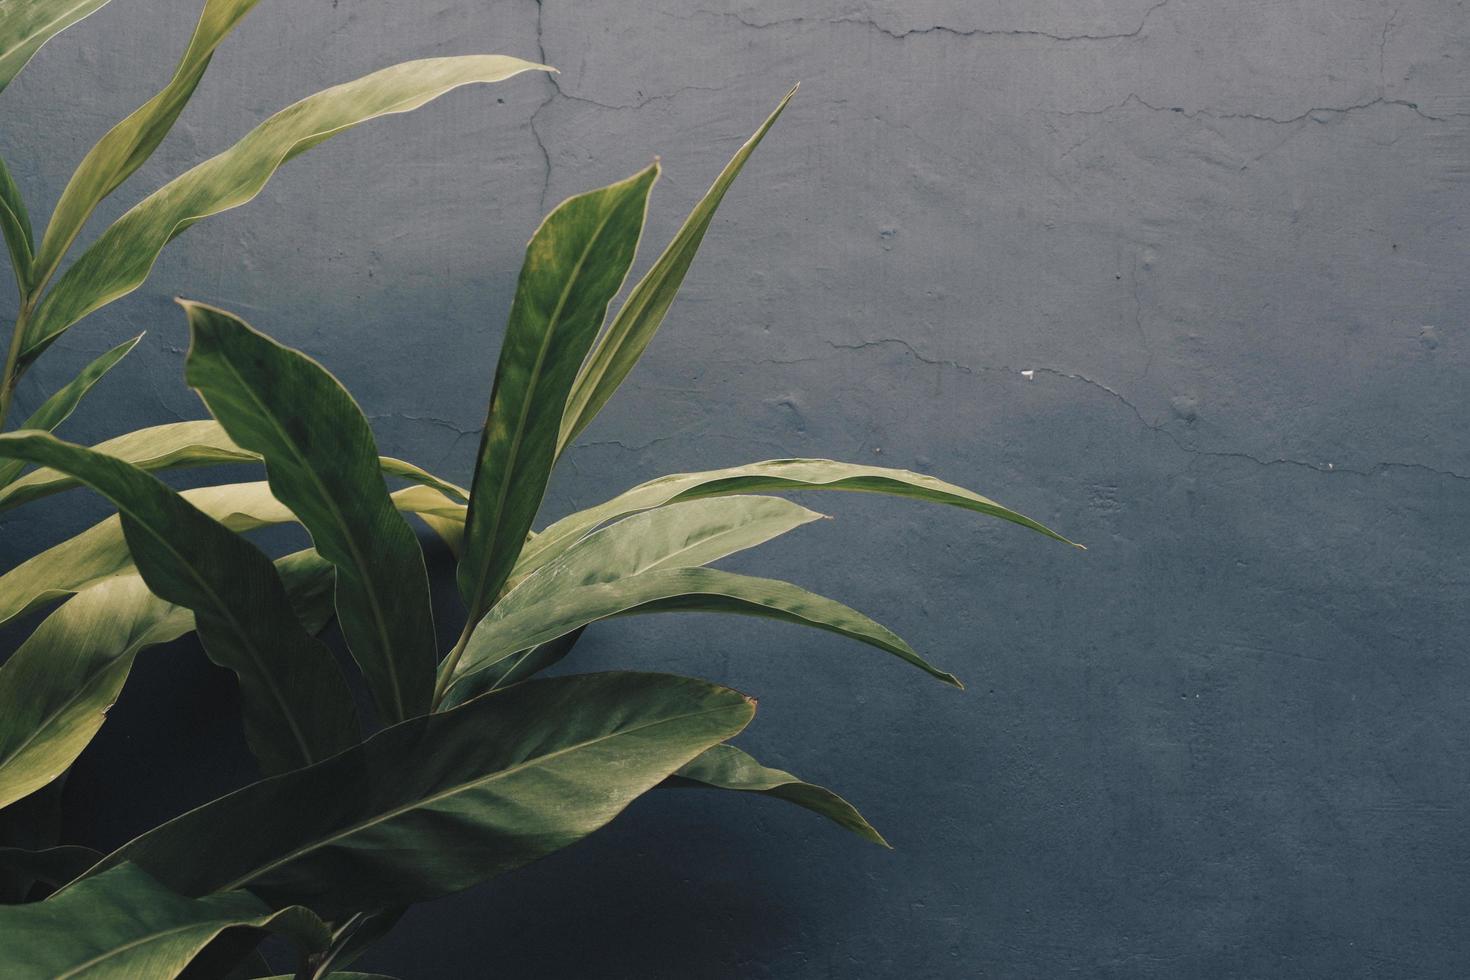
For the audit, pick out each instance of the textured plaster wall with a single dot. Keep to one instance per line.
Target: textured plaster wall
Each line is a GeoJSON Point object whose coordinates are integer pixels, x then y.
{"type": "Point", "coordinates": [1185, 278]}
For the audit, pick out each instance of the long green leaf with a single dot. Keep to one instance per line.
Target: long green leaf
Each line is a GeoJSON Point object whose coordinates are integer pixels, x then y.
{"type": "Point", "coordinates": [120, 260]}
{"type": "Point", "coordinates": [56, 689]}
{"type": "Point", "coordinates": [574, 266]}
{"type": "Point", "coordinates": [101, 551]}
{"type": "Point", "coordinates": [56, 409]}
{"type": "Point", "coordinates": [770, 475]}
{"type": "Point", "coordinates": [677, 536]}
{"type": "Point", "coordinates": [442, 802]}
{"type": "Point", "coordinates": [25, 25]}
{"type": "Point", "coordinates": [511, 627]}
{"type": "Point", "coordinates": [726, 767]}
{"type": "Point", "coordinates": [50, 866]}
{"type": "Point", "coordinates": [322, 462]}
{"type": "Point", "coordinates": [177, 445]}
{"type": "Point", "coordinates": [15, 226]}
{"type": "Point", "coordinates": [128, 144]}
{"type": "Point", "coordinates": [640, 317]}
{"type": "Point", "coordinates": [123, 925]}
{"type": "Point", "coordinates": [297, 706]}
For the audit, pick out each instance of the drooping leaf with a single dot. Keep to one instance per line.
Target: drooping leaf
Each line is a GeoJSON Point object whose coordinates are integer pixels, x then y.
{"type": "Point", "coordinates": [726, 767]}
{"type": "Point", "coordinates": [101, 551]}
{"type": "Point", "coordinates": [56, 409]}
{"type": "Point", "coordinates": [768, 476]}
{"type": "Point", "coordinates": [56, 688]}
{"type": "Point", "coordinates": [296, 703]}
{"type": "Point", "coordinates": [574, 266]}
{"type": "Point", "coordinates": [28, 24]}
{"type": "Point", "coordinates": [511, 626]}
{"type": "Point", "coordinates": [444, 801]}
{"type": "Point", "coordinates": [638, 320]}
{"type": "Point", "coordinates": [120, 260]}
{"type": "Point", "coordinates": [123, 925]}
{"type": "Point", "coordinates": [51, 866]}
{"type": "Point", "coordinates": [132, 141]}
{"type": "Point", "coordinates": [322, 462]}
{"type": "Point", "coordinates": [15, 226]}
{"type": "Point", "coordinates": [176, 445]}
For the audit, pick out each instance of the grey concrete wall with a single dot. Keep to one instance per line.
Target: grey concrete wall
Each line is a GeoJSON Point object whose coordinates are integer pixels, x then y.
{"type": "Point", "coordinates": [1184, 277]}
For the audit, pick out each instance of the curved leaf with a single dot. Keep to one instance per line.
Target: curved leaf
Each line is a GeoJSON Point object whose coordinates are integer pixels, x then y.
{"type": "Point", "coordinates": [123, 924]}
{"type": "Point", "coordinates": [56, 409]}
{"type": "Point", "coordinates": [726, 767]}
{"type": "Point", "coordinates": [297, 706]}
{"type": "Point", "coordinates": [120, 260]}
{"type": "Point", "coordinates": [633, 328]}
{"type": "Point", "coordinates": [441, 802]}
{"type": "Point", "coordinates": [770, 475]}
{"type": "Point", "coordinates": [511, 627]}
{"type": "Point", "coordinates": [176, 445]}
{"type": "Point", "coordinates": [322, 463]}
{"type": "Point", "coordinates": [101, 552]}
{"type": "Point", "coordinates": [28, 24]}
{"type": "Point", "coordinates": [574, 266]}
{"type": "Point", "coordinates": [128, 144]}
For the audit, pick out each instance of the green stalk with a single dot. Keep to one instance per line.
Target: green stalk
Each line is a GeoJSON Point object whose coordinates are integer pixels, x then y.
{"type": "Point", "coordinates": [11, 377]}
{"type": "Point", "coordinates": [446, 674]}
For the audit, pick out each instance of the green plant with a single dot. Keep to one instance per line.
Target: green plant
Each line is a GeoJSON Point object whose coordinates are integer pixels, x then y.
{"type": "Point", "coordinates": [477, 766]}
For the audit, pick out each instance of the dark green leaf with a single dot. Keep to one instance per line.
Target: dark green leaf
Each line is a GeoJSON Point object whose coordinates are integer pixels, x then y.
{"type": "Point", "coordinates": [633, 328]}
{"type": "Point", "coordinates": [322, 463]}
{"type": "Point", "coordinates": [726, 767]}
{"type": "Point", "coordinates": [123, 924]}
{"type": "Point", "coordinates": [120, 260]}
{"type": "Point", "coordinates": [574, 266]}
{"type": "Point", "coordinates": [442, 802]}
{"type": "Point", "coordinates": [297, 706]}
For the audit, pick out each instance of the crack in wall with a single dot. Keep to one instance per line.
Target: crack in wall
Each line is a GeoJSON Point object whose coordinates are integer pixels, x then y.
{"type": "Point", "coordinates": [1119, 397]}
{"type": "Point", "coordinates": [1134, 99]}
{"type": "Point", "coordinates": [896, 34]}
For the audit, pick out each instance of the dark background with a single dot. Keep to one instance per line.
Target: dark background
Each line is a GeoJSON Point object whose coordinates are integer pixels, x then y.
{"type": "Point", "coordinates": [1185, 278]}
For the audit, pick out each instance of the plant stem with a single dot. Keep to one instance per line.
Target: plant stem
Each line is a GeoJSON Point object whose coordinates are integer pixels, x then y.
{"type": "Point", "coordinates": [11, 377]}
{"type": "Point", "coordinates": [446, 673]}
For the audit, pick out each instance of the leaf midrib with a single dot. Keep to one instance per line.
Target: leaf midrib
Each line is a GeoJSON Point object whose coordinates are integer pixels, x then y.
{"type": "Point", "coordinates": [380, 625]}
{"type": "Point", "coordinates": [532, 386]}
{"type": "Point", "coordinates": [465, 787]}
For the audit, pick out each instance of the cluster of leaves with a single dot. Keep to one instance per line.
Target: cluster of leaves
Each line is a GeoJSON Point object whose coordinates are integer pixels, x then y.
{"type": "Point", "coordinates": [475, 766]}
